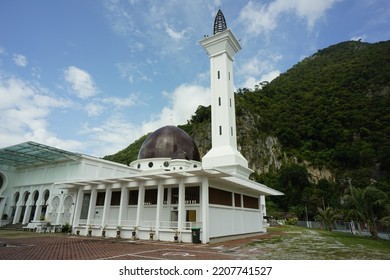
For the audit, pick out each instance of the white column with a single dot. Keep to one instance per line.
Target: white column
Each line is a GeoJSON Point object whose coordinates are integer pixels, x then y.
{"type": "Point", "coordinates": [140, 205]}
{"type": "Point", "coordinates": [18, 210]}
{"type": "Point", "coordinates": [233, 221]}
{"type": "Point", "coordinates": [242, 211]}
{"type": "Point", "coordinates": [92, 203]}
{"type": "Point", "coordinates": [160, 201]}
{"type": "Point", "coordinates": [262, 211]}
{"type": "Point", "coordinates": [27, 211]}
{"type": "Point", "coordinates": [205, 210]}
{"type": "Point", "coordinates": [77, 210]}
{"type": "Point", "coordinates": [123, 204]}
{"type": "Point", "coordinates": [181, 206]}
{"type": "Point", "coordinates": [2, 204]}
{"type": "Point", "coordinates": [38, 209]}
{"type": "Point", "coordinates": [263, 206]}
{"type": "Point", "coordinates": [106, 207]}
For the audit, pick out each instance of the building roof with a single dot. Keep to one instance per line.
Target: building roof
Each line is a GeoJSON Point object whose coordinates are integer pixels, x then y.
{"type": "Point", "coordinates": [169, 142]}
{"type": "Point", "coordinates": [212, 174]}
{"type": "Point", "coordinates": [30, 154]}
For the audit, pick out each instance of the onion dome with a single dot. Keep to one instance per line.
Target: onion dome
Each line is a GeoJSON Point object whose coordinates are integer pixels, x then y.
{"type": "Point", "coordinates": [169, 142]}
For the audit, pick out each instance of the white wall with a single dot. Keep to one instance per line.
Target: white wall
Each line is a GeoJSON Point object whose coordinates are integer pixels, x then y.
{"type": "Point", "coordinates": [87, 168]}
{"type": "Point", "coordinates": [43, 177]}
{"type": "Point", "coordinates": [226, 221]}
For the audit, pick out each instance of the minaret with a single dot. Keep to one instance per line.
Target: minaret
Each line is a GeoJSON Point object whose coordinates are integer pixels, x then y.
{"type": "Point", "coordinates": [221, 48]}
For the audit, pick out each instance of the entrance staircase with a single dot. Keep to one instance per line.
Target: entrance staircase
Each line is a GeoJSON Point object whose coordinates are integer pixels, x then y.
{"type": "Point", "coordinates": [18, 226]}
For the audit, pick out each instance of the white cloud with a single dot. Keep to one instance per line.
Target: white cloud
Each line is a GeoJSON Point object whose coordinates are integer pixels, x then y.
{"type": "Point", "coordinates": [261, 67]}
{"type": "Point", "coordinates": [362, 37]}
{"type": "Point", "coordinates": [158, 23]}
{"type": "Point", "coordinates": [80, 82]}
{"type": "Point", "coordinates": [133, 72]}
{"type": "Point", "coordinates": [114, 134]}
{"type": "Point", "coordinates": [20, 60]}
{"type": "Point", "coordinates": [184, 101]}
{"type": "Point", "coordinates": [175, 35]}
{"type": "Point", "coordinates": [122, 21]}
{"type": "Point", "coordinates": [117, 131]}
{"type": "Point", "coordinates": [251, 82]}
{"type": "Point", "coordinates": [261, 63]}
{"type": "Point", "coordinates": [312, 10]}
{"type": "Point", "coordinates": [127, 101]}
{"type": "Point", "coordinates": [252, 66]}
{"type": "Point", "coordinates": [94, 109]}
{"type": "Point", "coordinates": [259, 18]}
{"type": "Point", "coordinates": [268, 77]}
{"type": "Point", "coordinates": [136, 47]}
{"type": "Point", "coordinates": [101, 105]}
{"type": "Point", "coordinates": [25, 108]}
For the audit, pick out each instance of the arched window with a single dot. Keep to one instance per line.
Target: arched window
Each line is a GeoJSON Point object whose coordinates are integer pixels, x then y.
{"type": "Point", "coordinates": [2, 180]}
{"type": "Point", "coordinates": [35, 197]}
{"type": "Point", "coordinates": [26, 196]}
{"type": "Point", "coordinates": [46, 195]}
{"type": "Point", "coordinates": [17, 195]}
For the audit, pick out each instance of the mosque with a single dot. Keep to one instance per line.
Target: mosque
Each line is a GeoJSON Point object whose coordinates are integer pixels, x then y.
{"type": "Point", "coordinates": [169, 193]}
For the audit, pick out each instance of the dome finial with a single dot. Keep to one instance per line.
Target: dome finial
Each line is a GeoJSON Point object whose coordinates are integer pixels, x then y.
{"type": "Point", "coordinates": [219, 22]}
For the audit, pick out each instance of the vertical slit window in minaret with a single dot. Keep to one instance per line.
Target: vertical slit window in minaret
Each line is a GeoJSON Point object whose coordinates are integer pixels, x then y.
{"type": "Point", "coordinates": [220, 130]}
{"type": "Point", "coordinates": [219, 75]}
{"type": "Point", "coordinates": [230, 102]}
{"type": "Point", "coordinates": [219, 101]}
{"type": "Point", "coordinates": [231, 130]}
{"type": "Point", "coordinates": [229, 76]}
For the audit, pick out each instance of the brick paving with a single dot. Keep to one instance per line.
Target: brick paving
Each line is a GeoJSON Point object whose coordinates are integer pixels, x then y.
{"type": "Point", "coordinates": [69, 247]}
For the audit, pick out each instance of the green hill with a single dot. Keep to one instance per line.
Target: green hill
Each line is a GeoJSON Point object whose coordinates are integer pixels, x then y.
{"type": "Point", "coordinates": [314, 131]}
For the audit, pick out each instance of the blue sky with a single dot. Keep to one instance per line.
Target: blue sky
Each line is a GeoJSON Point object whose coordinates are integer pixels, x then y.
{"type": "Point", "coordinates": [93, 76]}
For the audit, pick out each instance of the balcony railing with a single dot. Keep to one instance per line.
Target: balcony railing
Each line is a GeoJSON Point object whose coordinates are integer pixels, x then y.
{"type": "Point", "coordinates": [130, 224]}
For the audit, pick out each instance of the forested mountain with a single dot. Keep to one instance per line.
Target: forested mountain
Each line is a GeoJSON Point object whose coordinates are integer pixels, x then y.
{"type": "Point", "coordinates": [315, 132]}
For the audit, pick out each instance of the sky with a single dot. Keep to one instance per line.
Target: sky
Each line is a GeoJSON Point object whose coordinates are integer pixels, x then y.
{"type": "Point", "coordinates": [93, 76]}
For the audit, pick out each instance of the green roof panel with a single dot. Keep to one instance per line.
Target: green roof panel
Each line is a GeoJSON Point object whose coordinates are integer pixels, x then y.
{"type": "Point", "coordinates": [32, 154]}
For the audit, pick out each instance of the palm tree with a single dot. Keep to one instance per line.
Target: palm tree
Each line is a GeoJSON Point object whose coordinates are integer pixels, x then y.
{"type": "Point", "coordinates": [327, 216]}
{"type": "Point", "coordinates": [361, 204]}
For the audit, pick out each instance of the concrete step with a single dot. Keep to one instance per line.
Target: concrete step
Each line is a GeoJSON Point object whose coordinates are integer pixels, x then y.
{"type": "Point", "coordinates": [18, 226]}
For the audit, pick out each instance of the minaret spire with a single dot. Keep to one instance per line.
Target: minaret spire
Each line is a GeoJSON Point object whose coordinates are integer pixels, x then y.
{"type": "Point", "coordinates": [219, 22]}
{"type": "Point", "coordinates": [221, 48]}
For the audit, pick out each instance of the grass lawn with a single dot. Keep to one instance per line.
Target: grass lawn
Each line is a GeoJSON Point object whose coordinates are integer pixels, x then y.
{"type": "Point", "coordinates": [299, 243]}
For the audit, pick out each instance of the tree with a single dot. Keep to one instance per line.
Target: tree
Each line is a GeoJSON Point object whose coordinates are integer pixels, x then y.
{"type": "Point", "coordinates": [327, 216]}
{"type": "Point", "coordinates": [362, 203]}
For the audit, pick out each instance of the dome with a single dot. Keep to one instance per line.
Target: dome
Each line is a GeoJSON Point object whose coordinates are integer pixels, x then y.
{"type": "Point", "coordinates": [169, 142]}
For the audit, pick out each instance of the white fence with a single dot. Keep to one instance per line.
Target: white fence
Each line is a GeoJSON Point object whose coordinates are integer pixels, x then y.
{"type": "Point", "coordinates": [352, 227]}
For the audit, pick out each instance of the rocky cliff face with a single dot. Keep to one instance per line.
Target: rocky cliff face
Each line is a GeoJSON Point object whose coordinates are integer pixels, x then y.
{"type": "Point", "coordinates": [263, 152]}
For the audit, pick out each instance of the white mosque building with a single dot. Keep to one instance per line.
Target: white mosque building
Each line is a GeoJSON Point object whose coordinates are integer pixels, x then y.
{"type": "Point", "coordinates": [168, 193]}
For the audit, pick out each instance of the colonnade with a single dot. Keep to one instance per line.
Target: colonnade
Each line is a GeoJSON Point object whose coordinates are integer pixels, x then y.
{"type": "Point", "coordinates": [145, 216]}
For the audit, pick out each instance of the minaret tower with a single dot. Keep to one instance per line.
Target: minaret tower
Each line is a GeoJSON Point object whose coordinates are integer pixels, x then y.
{"type": "Point", "coordinates": [221, 48]}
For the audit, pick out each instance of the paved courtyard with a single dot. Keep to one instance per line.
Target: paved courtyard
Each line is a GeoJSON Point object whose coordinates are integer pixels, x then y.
{"type": "Point", "coordinates": [35, 246]}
